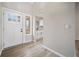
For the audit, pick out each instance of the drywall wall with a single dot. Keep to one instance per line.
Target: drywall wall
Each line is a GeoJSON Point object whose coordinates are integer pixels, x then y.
{"type": "Point", "coordinates": [0, 28]}
{"type": "Point", "coordinates": [77, 21]}
{"type": "Point", "coordinates": [59, 26]}
{"type": "Point", "coordinates": [24, 7]}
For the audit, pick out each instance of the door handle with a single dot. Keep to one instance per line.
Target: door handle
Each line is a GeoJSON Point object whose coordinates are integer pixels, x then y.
{"type": "Point", "coordinates": [21, 30]}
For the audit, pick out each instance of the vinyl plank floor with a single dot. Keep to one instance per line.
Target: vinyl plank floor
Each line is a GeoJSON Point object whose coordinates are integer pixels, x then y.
{"type": "Point", "coordinates": [33, 49]}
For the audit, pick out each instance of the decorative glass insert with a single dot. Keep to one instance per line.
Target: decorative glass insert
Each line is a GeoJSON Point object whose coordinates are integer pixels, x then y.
{"type": "Point", "coordinates": [27, 24]}
{"type": "Point", "coordinates": [13, 18]}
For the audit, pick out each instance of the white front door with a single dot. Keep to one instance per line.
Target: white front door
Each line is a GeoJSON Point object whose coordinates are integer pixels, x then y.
{"type": "Point", "coordinates": [12, 28]}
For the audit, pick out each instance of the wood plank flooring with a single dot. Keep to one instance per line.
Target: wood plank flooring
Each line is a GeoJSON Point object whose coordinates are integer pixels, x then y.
{"type": "Point", "coordinates": [32, 49]}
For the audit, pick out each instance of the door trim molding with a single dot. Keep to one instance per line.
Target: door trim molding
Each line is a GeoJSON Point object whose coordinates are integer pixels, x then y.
{"type": "Point", "coordinates": [1, 52]}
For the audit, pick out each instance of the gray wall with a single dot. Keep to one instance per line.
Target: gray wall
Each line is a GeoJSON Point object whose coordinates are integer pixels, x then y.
{"type": "Point", "coordinates": [19, 6]}
{"type": "Point", "coordinates": [0, 27]}
{"type": "Point", "coordinates": [58, 16]}
{"type": "Point", "coordinates": [59, 26]}
{"type": "Point", "coordinates": [56, 35]}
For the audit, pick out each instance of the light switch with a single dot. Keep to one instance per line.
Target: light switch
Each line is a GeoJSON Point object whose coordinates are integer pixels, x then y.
{"type": "Point", "coordinates": [67, 26]}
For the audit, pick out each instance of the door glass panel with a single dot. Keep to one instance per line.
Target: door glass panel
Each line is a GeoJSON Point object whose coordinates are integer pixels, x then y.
{"type": "Point", "coordinates": [27, 24]}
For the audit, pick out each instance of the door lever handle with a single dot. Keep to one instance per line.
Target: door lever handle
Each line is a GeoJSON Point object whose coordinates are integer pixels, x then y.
{"type": "Point", "coordinates": [21, 30]}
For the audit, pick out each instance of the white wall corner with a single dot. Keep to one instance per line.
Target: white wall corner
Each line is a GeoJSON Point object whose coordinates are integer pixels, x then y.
{"type": "Point", "coordinates": [53, 51]}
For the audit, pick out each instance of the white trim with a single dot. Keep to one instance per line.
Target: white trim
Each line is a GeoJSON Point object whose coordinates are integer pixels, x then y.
{"type": "Point", "coordinates": [1, 52]}
{"type": "Point", "coordinates": [2, 30]}
{"type": "Point", "coordinates": [53, 51]}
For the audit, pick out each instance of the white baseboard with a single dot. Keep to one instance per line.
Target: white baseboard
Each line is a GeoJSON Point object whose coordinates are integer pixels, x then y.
{"type": "Point", "coordinates": [53, 51]}
{"type": "Point", "coordinates": [0, 51]}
